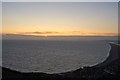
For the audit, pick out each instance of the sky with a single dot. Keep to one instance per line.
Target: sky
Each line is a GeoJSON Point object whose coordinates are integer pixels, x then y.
{"type": "Point", "coordinates": [60, 18]}
{"type": "Point", "coordinates": [60, 0]}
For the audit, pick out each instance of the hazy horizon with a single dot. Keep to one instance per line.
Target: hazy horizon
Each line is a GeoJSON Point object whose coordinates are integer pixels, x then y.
{"type": "Point", "coordinates": [56, 38]}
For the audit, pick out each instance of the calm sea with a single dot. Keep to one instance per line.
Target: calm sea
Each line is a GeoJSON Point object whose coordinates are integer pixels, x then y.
{"type": "Point", "coordinates": [53, 56]}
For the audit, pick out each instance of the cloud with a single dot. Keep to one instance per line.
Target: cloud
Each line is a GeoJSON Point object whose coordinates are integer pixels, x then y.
{"type": "Point", "coordinates": [105, 34]}
{"type": "Point", "coordinates": [78, 33]}
{"type": "Point", "coordinates": [37, 32]}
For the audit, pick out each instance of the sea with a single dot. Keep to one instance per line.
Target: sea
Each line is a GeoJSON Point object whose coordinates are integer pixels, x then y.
{"type": "Point", "coordinates": [54, 55]}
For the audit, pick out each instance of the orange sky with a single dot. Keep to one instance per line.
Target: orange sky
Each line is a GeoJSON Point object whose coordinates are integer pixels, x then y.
{"type": "Point", "coordinates": [60, 19]}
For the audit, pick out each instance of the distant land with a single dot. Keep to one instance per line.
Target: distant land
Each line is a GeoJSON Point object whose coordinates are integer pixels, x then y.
{"type": "Point", "coordinates": [31, 37]}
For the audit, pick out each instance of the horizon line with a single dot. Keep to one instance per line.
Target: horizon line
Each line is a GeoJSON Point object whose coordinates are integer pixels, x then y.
{"type": "Point", "coordinates": [62, 35]}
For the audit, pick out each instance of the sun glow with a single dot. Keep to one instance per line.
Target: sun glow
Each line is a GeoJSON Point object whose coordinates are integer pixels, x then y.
{"type": "Point", "coordinates": [60, 19]}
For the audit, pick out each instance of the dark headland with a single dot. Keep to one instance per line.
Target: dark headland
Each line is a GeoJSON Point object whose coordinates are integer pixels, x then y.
{"type": "Point", "coordinates": [107, 70]}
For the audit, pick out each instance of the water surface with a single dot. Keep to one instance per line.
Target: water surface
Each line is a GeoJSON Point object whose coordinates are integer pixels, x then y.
{"type": "Point", "coordinates": [52, 56]}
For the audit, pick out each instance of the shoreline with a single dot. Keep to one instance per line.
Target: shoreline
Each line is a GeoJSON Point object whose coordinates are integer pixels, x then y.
{"type": "Point", "coordinates": [107, 70]}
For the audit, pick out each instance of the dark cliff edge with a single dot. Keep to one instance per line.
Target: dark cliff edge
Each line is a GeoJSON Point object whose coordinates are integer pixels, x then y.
{"type": "Point", "coordinates": [107, 70]}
